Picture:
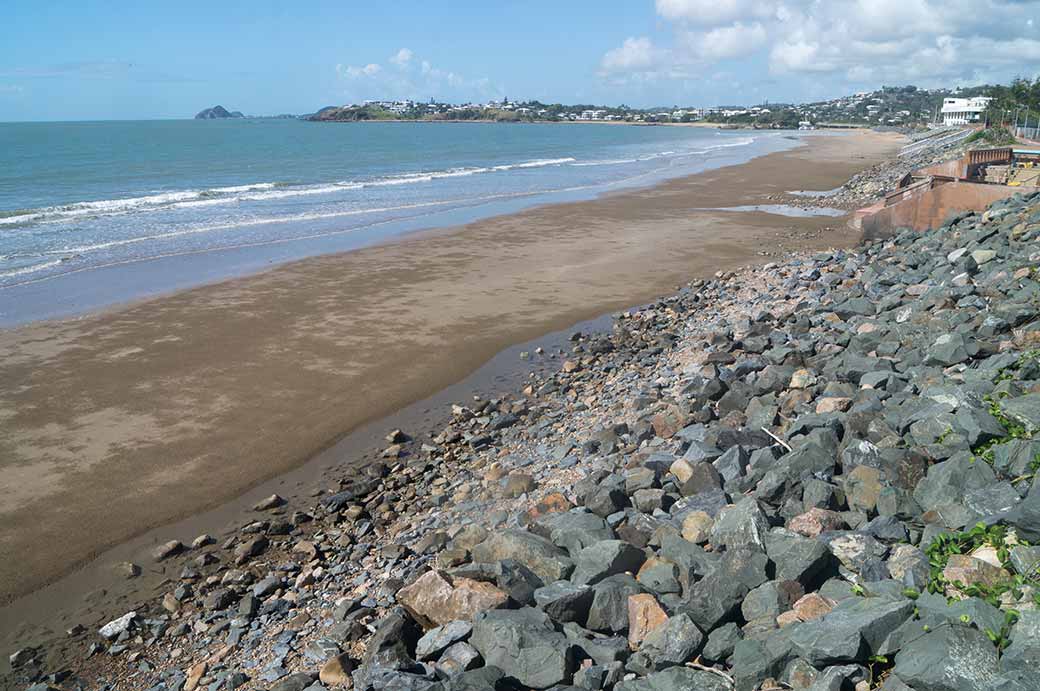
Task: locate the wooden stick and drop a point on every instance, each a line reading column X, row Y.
column 777, row 439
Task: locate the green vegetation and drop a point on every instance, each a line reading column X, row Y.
column 993, row 136
column 947, row 544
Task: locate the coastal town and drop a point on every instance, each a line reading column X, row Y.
column 906, row 106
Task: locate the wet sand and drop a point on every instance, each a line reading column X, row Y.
column 118, row 422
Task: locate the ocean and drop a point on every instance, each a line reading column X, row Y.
column 95, row 213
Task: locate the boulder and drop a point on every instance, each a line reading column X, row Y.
column 525, row 645
column 948, row 658
column 546, row 560
column 606, row 558
column 435, row 598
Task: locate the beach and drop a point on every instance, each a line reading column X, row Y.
column 121, row 421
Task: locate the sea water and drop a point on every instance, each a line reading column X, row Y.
column 93, row 213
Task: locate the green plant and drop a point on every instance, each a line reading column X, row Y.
column 858, row 590
column 947, row 544
column 1002, row 638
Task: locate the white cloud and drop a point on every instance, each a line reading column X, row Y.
column 634, row 55
column 369, row 70
column 711, row 12
column 928, row 42
column 728, row 41
column 378, row 81
column 402, row 57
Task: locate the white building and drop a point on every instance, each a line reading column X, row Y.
column 961, row 111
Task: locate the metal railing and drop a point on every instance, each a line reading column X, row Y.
column 938, row 142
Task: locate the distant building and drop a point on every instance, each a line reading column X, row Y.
column 962, row 111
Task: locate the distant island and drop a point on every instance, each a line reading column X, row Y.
column 217, row 113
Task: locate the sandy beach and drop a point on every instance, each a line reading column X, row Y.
column 117, row 422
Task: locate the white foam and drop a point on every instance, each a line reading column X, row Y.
column 34, row 268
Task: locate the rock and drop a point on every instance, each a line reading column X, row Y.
column 798, row 558
column 717, row 597
column 967, row 570
column 1024, row 410
column 677, row 679
column 127, row 570
column 862, row 488
column 802, row 379
column 697, row 527
column 518, row 484
column 114, row 628
column 458, row 658
column 609, row 609
column 742, row 524
column 606, row 558
column 294, row 682
column 950, row 349
column 812, row 606
column 337, row 670
column 721, row 643
column 658, row 576
column 674, row 642
column 271, row 502
column 167, row 550
column 565, row 601
column 644, row 615
column 437, row 639
column 194, row 676
column 525, row 645
column 546, row 560
column 851, row 632
column 250, row 548
column 949, row 658
column 815, row 521
column 435, row 599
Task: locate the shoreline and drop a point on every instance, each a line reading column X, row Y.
column 92, row 289
column 531, row 322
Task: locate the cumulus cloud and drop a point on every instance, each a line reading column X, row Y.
column 369, row 70
column 402, row 57
column 404, row 75
column 929, row 42
column 635, row 54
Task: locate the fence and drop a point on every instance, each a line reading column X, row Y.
column 1027, row 132
column 940, row 141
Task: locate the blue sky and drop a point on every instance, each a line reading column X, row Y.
column 107, row 60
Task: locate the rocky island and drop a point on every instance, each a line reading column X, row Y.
column 217, row 113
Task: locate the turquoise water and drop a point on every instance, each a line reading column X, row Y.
column 93, row 213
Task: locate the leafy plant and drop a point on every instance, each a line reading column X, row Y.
column 1001, row 639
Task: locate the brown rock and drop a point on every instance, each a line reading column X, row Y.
column 195, row 676
column 336, row 671
column 811, row 606
column 167, row 550
column 682, row 470
column 863, row 487
column 434, row 599
column 250, row 548
column 787, row 618
column 550, row 503
column 697, row 527
column 802, row 379
column 815, row 521
column 271, row 502
column 644, row 615
column 833, row 404
column 519, row 483
column 127, row 569
column 969, row 570
column 668, row 422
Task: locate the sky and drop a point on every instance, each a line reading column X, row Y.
column 101, row 60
